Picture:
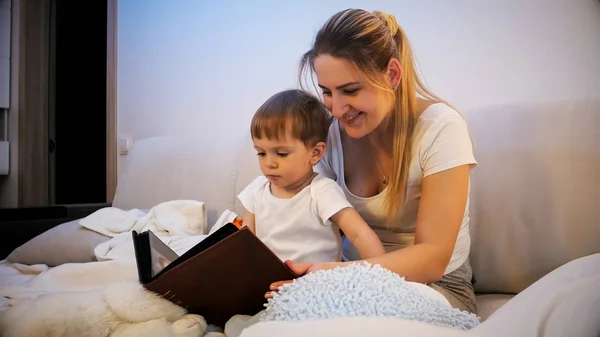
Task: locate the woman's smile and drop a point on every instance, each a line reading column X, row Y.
column 352, row 119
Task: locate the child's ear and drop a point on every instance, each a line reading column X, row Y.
column 317, row 152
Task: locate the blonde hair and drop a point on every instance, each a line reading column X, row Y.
column 295, row 111
column 369, row 41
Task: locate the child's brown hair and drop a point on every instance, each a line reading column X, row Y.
column 294, row 111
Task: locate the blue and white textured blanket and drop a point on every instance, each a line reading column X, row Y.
column 360, row 290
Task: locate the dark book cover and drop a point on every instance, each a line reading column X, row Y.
column 225, row 274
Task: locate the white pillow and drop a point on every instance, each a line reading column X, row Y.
column 565, row 302
column 353, row 327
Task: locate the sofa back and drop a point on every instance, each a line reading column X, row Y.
column 534, row 196
column 160, row 169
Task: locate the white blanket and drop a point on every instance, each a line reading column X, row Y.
column 176, row 217
column 70, row 277
column 178, row 223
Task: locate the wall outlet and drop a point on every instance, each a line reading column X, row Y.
column 124, row 145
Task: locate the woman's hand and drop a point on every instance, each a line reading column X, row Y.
column 302, row 269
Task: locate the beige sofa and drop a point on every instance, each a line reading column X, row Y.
column 535, row 206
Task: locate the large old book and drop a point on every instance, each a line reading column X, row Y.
column 226, row 274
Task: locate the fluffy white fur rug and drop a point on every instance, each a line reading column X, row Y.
column 119, row 310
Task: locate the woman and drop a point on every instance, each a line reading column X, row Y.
column 402, row 156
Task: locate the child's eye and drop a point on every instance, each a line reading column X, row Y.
column 260, row 154
column 282, row 154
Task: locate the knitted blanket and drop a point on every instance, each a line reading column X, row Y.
column 360, row 290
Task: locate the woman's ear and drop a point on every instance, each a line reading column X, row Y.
column 394, row 72
column 317, row 152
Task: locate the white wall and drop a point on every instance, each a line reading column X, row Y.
column 187, row 67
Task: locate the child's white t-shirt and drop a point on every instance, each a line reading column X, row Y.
column 297, row 228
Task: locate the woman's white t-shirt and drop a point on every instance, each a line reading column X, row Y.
column 441, row 142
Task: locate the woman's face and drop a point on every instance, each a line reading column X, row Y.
column 350, row 98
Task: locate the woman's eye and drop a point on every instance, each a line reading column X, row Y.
column 260, row 154
column 351, row 91
column 326, row 93
column 282, row 154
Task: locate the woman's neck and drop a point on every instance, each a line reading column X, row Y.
column 382, row 138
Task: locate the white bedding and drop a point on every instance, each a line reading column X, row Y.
column 25, row 282
column 14, row 276
column 178, row 223
column 96, row 299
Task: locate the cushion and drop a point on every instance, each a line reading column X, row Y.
column 363, row 290
column 487, row 304
column 160, row 169
column 65, row 243
column 565, row 302
column 534, row 195
column 353, row 327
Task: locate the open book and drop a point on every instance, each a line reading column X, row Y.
column 226, row 274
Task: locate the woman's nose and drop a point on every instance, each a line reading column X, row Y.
column 339, row 107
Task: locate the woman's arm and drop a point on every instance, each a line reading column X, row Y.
column 441, row 209
column 355, row 228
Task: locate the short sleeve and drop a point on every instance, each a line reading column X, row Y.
column 447, row 144
column 326, row 166
column 249, row 194
column 329, row 198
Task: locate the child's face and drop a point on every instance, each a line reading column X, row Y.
column 286, row 161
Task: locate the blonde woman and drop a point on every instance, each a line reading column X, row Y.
column 401, row 155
